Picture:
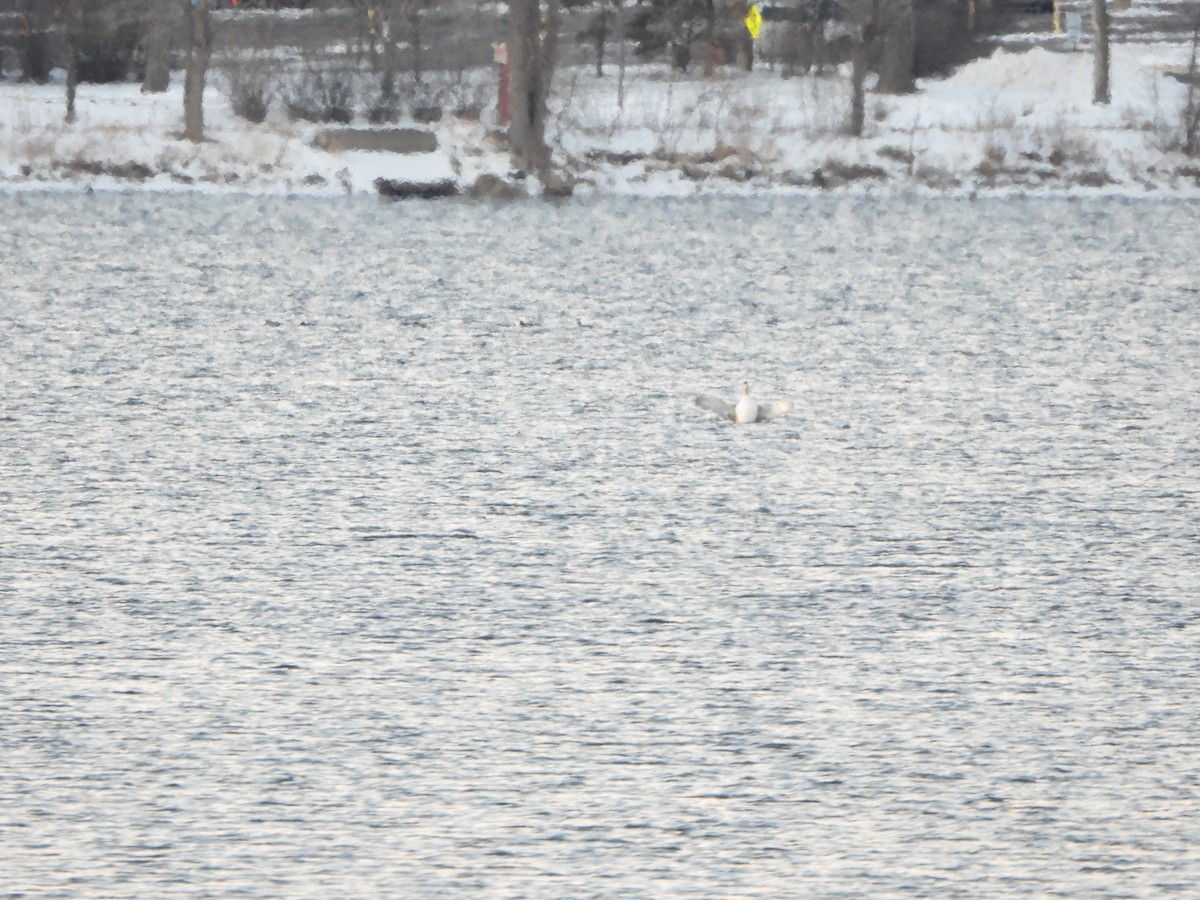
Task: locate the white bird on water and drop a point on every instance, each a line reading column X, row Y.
column 745, row 410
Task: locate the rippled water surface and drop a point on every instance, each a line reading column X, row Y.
column 355, row 550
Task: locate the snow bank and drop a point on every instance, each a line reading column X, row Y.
column 1014, row 120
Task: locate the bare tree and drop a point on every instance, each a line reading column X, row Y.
column 1191, row 114
column 106, row 36
column 33, row 43
column 883, row 40
column 673, row 25
column 597, row 33
column 158, row 16
column 365, row 26
column 72, row 14
column 406, row 19
column 897, row 41
column 619, row 29
column 532, row 54
column 1100, row 91
column 398, row 22
column 199, row 48
column 865, row 17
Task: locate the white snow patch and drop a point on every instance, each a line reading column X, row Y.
column 1013, row 118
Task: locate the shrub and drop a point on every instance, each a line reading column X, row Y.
column 321, row 97
column 386, row 107
column 106, row 50
column 249, row 89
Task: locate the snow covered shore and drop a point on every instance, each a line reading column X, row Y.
column 1014, row 121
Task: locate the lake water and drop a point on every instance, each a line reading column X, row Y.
column 358, row 550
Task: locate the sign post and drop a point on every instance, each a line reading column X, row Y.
column 500, row 56
column 753, row 21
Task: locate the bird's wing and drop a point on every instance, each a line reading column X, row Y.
column 715, row 405
column 774, row 409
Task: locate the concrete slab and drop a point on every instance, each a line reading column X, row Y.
column 378, row 140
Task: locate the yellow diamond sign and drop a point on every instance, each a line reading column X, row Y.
column 753, row 21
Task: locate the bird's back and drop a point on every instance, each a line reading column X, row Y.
column 746, row 410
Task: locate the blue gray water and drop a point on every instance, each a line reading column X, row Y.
column 361, row 550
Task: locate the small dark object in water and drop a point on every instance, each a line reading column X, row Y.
column 404, row 190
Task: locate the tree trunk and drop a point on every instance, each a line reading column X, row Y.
column 619, row 30
column 414, row 25
column 197, row 69
column 158, row 47
column 865, row 17
column 858, row 75
column 1191, row 116
column 745, row 49
column 33, row 49
column 1100, row 92
column 896, row 54
column 71, row 49
column 387, row 56
column 600, row 39
column 532, row 53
